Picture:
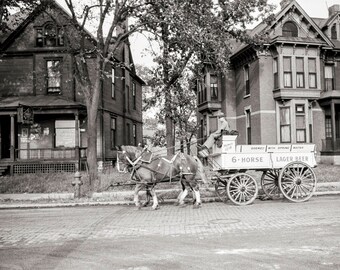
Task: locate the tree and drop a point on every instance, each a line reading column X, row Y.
column 195, row 32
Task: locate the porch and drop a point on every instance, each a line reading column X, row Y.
column 45, row 135
column 44, row 160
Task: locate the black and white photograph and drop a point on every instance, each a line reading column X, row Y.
column 170, row 134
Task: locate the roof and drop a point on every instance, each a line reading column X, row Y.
column 38, row 102
column 317, row 23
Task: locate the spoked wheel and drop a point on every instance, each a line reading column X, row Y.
column 242, row 189
column 297, row 181
column 221, row 188
column 270, row 183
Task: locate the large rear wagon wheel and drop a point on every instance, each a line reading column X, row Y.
column 242, row 189
column 297, row 181
column 221, row 188
column 270, row 183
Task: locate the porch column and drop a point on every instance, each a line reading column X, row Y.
column 333, row 125
column 12, row 147
column 76, row 117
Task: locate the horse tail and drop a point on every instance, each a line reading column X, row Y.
column 200, row 170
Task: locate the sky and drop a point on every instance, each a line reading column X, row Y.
column 314, row 8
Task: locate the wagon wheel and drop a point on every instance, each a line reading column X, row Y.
column 221, row 188
column 242, row 189
column 270, row 183
column 297, row 181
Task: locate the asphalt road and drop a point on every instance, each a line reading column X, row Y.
column 265, row 235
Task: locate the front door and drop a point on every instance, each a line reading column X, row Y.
column 5, row 137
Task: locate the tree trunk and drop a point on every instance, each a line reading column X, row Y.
column 188, row 142
column 92, row 145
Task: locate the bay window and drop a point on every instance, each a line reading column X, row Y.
column 287, row 72
column 329, row 77
column 312, row 72
column 300, row 74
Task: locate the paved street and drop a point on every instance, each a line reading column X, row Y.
column 265, row 235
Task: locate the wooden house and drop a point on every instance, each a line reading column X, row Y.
column 42, row 109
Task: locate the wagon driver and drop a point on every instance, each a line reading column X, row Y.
column 222, row 126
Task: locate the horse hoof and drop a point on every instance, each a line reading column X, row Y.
column 156, row 208
column 176, row 204
column 182, row 205
column 197, row 206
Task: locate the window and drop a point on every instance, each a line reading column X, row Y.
column 275, row 71
column 53, row 68
column 50, row 36
column 328, row 122
column 134, row 134
column 246, row 79
column 113, row 132
column 300, row 74
column 204, row 96
column 248, row 126
column 213, row 124
column 289, row 29
column 128, row 134
column 134, row 95
column 65, row 133
column 199, row 91
column 329, row 77
column 334, row 34
column 127, row 98
column 312, row 72
column 300, row 117
column 287, row 72
column 213, row 87
column 285, row 125
column 113, row 78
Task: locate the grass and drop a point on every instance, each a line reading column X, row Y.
column 109, row 180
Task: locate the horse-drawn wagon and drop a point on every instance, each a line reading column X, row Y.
column 286, row 169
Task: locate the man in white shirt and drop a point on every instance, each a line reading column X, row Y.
column 222, row 126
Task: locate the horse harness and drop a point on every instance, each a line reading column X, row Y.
column 136, row 164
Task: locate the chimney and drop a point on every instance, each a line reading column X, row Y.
column 333, row 10
column 285, row 3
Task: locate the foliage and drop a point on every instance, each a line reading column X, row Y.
column 7, row 22
column 191, row 33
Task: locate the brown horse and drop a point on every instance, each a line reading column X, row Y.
column 147, row 171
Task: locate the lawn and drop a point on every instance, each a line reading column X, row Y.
column 62, row 182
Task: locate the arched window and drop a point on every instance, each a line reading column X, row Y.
column 334, row 34
column 289, row 29
column 50, row 36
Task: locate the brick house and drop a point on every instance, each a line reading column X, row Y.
column 288, row 92
column 42, row 111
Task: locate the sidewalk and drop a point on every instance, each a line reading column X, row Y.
column 37, row 200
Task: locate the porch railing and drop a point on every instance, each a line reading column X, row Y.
column 329, row 145
column 50, row 153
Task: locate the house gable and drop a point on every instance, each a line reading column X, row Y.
column 24, row 34
column 307, row 28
